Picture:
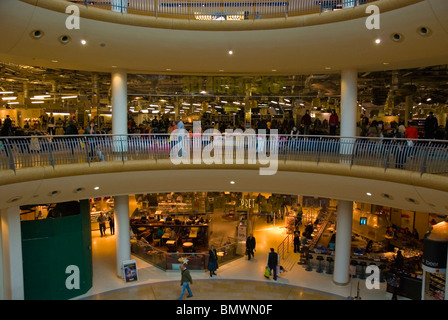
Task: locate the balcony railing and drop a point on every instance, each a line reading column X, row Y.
column 222, row 10
column 424, row 156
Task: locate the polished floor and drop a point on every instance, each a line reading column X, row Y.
column 238, row 280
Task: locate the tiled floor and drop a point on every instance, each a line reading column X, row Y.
column 238, row 280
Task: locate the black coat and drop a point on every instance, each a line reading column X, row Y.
column 250, row 243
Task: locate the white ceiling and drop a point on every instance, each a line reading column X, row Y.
column 310, row 48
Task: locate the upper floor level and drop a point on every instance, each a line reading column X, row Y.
column 388, row 172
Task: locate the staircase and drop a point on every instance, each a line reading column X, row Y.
column 286, row 252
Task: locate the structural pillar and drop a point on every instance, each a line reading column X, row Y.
column 119, row 110
column 11, row 266
column 122, row 234
column 349, row 100
column 341, row 275
column 408, row 110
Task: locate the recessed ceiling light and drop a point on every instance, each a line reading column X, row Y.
column 96, row 188
column 378, row 41
column 168, row 69
column 221, row 70
column 230, row 52
column 83, row 42
column 274, row 70
column 368, row 193
column 327, row 68
column 385, row 63
column 232, row 182
column 54, row 61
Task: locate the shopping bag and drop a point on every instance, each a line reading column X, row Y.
column 267, row 272
column 278, row 269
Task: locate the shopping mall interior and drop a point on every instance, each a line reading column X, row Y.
column 114, row 68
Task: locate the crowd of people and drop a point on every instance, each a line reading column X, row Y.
column 162, row 124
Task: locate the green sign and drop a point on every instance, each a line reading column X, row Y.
column 232, row 85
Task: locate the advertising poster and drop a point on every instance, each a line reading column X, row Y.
column 130, row 270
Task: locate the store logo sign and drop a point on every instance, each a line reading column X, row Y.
column 373, row 21
column 235, row 146
column 72, row 281
column 73, row 20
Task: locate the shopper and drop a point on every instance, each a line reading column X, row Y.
column 112, row 224
column 296, row 241
column 334, row 122
column 250, row 246
column 102, row 223
column 272, row 262
column 306, row 122
column 212, row 261
column 431, row 126
column 185, row 281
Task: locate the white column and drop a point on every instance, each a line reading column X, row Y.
column 341, row 274
column 11, row 255
column 349, row 100
column 119, row 109
column 122, row 234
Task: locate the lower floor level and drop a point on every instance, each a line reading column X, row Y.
column 241, row 279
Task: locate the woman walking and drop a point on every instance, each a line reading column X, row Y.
column 212, row 261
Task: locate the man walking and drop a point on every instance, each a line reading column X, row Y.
column 250, row 246
column 272, row 262
column 185, row 281
column 102, row 223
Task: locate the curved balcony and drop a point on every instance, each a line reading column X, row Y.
column 383, row 171
column 222, row 10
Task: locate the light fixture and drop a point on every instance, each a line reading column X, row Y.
column 368, row 193
column 230, row 52
column 83, row 42
column 96, row 188
column 378, row 41
column 9, row 98
column 6, row 92
column 69, row 97
column 232, row 182
column 36, row 102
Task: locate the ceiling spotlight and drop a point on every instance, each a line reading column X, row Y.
column 378, row 41
column 83, row 42
column 368, row 193
column 230, row 52
column 96, row 188
column 232, row 182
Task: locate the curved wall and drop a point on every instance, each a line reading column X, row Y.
column 337, row 181
column 305, row 44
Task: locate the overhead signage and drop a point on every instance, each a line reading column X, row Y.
column 232, row 85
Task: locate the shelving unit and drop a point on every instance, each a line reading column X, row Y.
column 435, row 286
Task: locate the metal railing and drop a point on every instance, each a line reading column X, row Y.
column 424, row 156
column 171, row 260
column 222, row 10
column 284, row 247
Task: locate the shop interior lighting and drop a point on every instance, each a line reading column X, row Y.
column 232, row 182
column 96, row 188
column 83, row 42
column 230, row 52
column 9, row 98
column 368, row 193
column 69, row 97
column 36, row 102
column 378, row 41
column 16, row 102
column 223, row 101
column 6, row 92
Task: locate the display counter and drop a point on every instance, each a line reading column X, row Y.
column 410, row 287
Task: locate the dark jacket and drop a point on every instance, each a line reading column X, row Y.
column 250, row 243
column 186, row 277
column 272, row 259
